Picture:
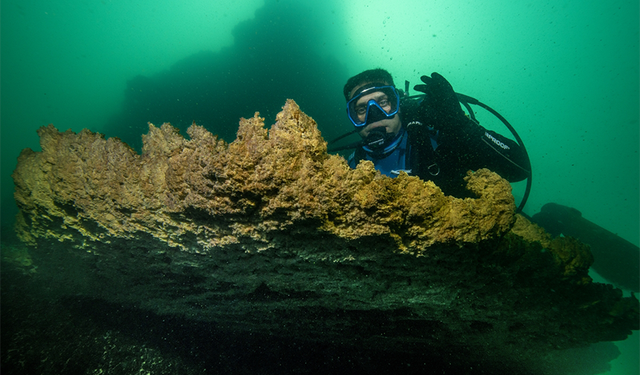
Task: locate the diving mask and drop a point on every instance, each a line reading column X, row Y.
column 382, row 103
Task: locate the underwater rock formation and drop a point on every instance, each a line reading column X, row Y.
column 270, row 233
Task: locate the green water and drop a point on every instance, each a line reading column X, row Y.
column 565, row 74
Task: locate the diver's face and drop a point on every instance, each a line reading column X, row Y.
column 391, row 125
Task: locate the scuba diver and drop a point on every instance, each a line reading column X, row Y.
column 429, row 137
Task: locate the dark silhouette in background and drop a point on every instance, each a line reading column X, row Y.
column 615, row 258
column 274, row 57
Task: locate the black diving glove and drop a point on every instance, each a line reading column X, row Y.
column 440, row 108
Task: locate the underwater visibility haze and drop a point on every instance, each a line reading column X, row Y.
column 564, row 73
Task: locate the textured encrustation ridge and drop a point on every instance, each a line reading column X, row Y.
column 204, row 191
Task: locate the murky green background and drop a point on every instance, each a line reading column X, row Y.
column 564, row 73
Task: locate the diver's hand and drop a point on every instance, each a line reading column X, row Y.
column 440, row 108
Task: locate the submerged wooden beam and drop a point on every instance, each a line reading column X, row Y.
column 270, row 233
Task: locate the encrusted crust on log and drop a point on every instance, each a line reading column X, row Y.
column 201, row 194
column 292, row 237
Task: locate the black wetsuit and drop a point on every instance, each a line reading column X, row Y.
column 445, row 158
